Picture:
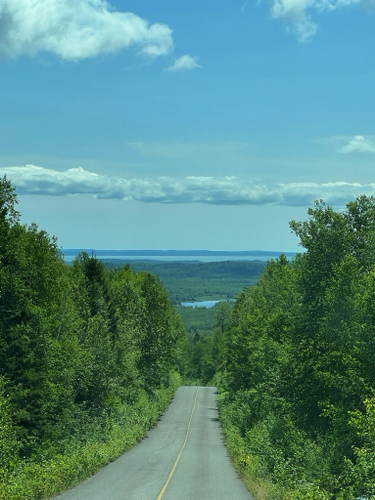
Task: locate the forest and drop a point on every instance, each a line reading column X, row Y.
column 297, row 372
column 90, row 356
column 187, row 281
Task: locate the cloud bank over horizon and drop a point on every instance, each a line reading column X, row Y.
column 76, row 29
column 227, row 190
column 298, row 14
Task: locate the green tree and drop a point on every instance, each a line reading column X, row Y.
column 299, row 357
column 9, row 445
column 157, row 346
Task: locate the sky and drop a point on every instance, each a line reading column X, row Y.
column 156, row 124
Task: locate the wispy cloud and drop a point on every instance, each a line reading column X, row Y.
column 184, row 63
column 76, row 29
column 358, row 144
column 298, row 14
column 33, row 180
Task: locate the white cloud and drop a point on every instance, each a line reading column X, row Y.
column 358, row 144
column 298, row 13
column 76, row 29
column 348, row 143
column 33, row 180
column 183, row 63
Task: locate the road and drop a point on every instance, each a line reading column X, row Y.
column 183, row 458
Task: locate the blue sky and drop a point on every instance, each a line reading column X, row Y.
column 185, row 125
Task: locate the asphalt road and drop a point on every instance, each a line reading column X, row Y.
column 183, row 458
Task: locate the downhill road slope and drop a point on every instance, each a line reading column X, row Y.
column 184, row 458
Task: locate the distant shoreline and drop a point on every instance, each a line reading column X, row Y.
column 175, row 253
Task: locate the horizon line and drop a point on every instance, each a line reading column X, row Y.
column 172, row 251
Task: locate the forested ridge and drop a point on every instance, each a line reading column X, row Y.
column 89, row 358
column 297, row 370
column 198, row 281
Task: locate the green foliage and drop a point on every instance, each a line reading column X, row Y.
column 297, row 376
column 40, row 479
column 9, row 445
column 88, row 359
column 205, row 328
column 8, row 199
column 199, row 320
column 197, row 281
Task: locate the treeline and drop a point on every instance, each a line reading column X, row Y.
column 89, row 358
column 205, row 329
column 297, row 372
column 196, row 281
column 194, row 269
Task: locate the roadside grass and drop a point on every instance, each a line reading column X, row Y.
column 254, row 476
column 246, row 468
column 260, row 486
column 47, row 478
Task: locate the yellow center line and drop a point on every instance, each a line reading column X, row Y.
column 162, row 491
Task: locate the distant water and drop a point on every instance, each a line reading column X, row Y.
column 183, row 258
column 202, row 303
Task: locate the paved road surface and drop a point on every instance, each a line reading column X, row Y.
column 184, row 458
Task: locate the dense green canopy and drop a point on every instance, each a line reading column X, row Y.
column 86, row 354
column 298, row 374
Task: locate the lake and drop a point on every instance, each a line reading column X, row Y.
column 203, row 303
column 179, row 258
